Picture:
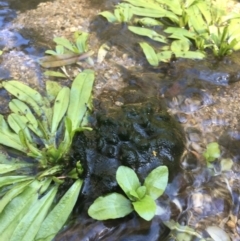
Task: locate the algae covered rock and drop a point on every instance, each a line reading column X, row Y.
column 138, row 133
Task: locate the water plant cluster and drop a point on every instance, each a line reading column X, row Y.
column 186, row 28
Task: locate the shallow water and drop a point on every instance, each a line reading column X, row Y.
column 202, row 95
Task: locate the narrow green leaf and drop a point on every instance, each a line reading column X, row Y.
column 127, row 179
column 156, row 182
column 150, row 53
column 60, row 107
column 65, row 43
column 17, row 124
column 31, row 222
column 12, row 193
column 146, row 207
column 149, row 22
column 80, row 93
column 190, row 55
column 179, row 33
column 54, row 74
column 111, row 206
column 7, row 180
column 20, row 108
column 81, row 42
column 148, row 33
column 25, row 93
column 60, row 213
column 5, row 168
column 17, row 208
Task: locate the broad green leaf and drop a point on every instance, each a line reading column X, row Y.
column 65, row 43
column 156, row 182
column 204, row 7
column 22, row 109
column 150, row 53
column 212, row 152
column 146, row 207
column 180, row 33
column 8, row 138
column 125, row 12
column 109, row 16
column 127, row 179
column 53, row 88
column 80, row 93
column 25, row 94
column 148, row 33
column 180, row 46
column 54, row 74
column 141, row 191
column 60, row 107
column 5, row 168
column 111, row 206
column 59, row 214
column 17, row 124
column 17, row 208
column 60, row 49
column 164, row 56
column 12, row 193
column 31, row 222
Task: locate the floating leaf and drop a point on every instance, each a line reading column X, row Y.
column 127, row 179
column 59, row 214
column 111, row 206
column 146, row 207
column 156, row 182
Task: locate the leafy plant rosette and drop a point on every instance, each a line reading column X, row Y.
column 188, row 27
column 140, row 198
column 41, row 127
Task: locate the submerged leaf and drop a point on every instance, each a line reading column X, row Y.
column 111, row 206
column 59, row 214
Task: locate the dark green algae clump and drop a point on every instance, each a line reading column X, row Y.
column 138, row 132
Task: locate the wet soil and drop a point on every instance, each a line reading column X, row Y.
column 203, row 96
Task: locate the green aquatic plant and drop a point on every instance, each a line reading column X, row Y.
column 212, row 152
column 67, row 52
column 140, row 198
column 198, row 25
column 41, row 127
